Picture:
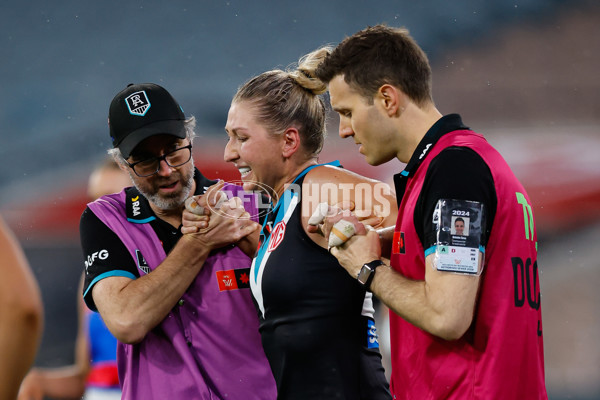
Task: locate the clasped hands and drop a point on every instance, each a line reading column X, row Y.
column 215, row 218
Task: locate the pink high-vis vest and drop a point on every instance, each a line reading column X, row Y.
column 501, row 355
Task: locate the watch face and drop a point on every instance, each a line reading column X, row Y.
column 367, row 272
column 363, row 275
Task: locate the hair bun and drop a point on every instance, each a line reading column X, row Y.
column 305, row 76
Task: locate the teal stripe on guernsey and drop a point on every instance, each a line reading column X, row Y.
column 430, row 250
column 141, row 221
column 285, row 200
column 108, row 274
column 290, row 200
column 335, row 163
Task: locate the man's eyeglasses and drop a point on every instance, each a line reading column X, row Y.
column 150, row 166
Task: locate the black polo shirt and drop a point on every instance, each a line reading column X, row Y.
column 455, row 173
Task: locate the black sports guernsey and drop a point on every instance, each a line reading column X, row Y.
column 317, row 342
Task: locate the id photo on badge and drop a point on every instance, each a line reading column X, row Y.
column 460, row 226
column 459, row 229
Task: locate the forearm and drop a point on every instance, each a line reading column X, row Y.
column 134, row 309
column 20, row 330
column 61, row 383
column 21, row 314
column 407, row 298
column 249, row 244
column 442, row 309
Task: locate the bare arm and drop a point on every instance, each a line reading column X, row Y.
column 131, row 308
column 373, row 202
column 65, row 382
column 249, row 244
column 62, row 383
column 442, row 304
column 21, row 315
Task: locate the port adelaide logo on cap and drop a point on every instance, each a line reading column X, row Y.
column 138, row 103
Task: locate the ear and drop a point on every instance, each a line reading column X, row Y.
column 290, row 142
column 392, row 99
column 124, row 167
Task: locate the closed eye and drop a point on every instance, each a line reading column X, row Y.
column 345, row 113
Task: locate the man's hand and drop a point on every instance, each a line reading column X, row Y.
column 335, row 223
column 210, row 201
column 345, row 208
column 199, row 208
column 358, row 250
column 226, row 225
column 192, row 222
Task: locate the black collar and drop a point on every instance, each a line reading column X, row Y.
column 444, row 125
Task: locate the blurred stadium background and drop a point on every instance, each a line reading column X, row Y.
column 523, row 72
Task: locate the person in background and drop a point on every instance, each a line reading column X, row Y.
column 316, row 322
column 21, row 314
column 466, row 320
column 94, row 375
column 179, row 305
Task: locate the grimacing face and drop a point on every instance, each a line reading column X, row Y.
column 253, row 151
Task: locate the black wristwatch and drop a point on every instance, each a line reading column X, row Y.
column 367, row 273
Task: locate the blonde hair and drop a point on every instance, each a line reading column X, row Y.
column 289, row 98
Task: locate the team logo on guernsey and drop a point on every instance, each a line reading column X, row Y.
column 398, row 244
column 233, row 279
column 141, row 262
column 277, row 236
column 138, row 103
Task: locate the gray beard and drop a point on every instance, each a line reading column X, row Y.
column 170, row 203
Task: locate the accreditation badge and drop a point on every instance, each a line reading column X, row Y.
column 459, row 228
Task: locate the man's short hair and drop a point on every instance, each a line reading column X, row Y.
column 380, row 55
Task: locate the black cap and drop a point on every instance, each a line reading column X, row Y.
column 140, row 111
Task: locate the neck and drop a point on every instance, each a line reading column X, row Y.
column 172, row 216
column 416, row 123
column 290, row 176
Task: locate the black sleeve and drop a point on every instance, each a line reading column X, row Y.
column 456, row 173
column 104, row 254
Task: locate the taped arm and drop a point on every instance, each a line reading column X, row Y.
column 373, row 202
